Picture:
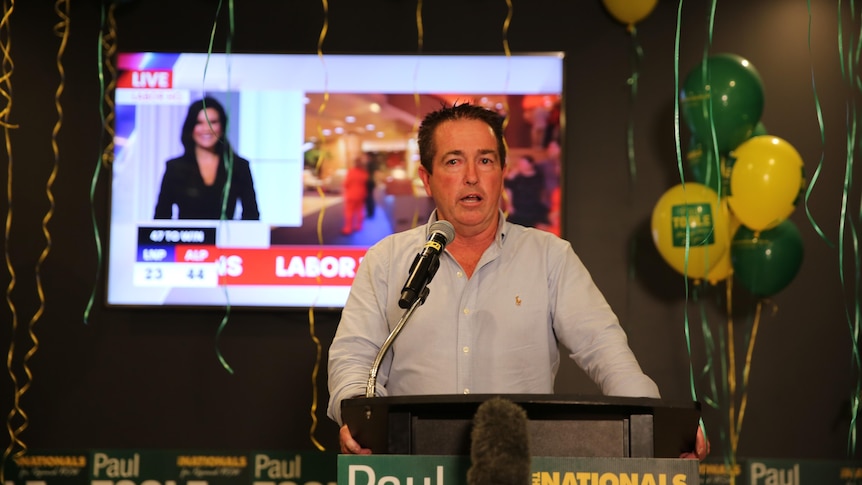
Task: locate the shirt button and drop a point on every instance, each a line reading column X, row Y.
column 466, row 311
column 466, row 391
column 466, row 349
column 460, row 274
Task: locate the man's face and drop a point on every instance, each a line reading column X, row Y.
column 467, row 177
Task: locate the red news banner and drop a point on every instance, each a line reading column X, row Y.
column 146, row 79
column 294, row 265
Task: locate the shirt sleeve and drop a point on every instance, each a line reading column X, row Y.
column 587, row 326
column 361, row 331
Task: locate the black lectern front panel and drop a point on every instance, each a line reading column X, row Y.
column 557, row 425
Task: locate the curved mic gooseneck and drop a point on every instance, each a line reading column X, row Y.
column 415, row 290
column 371, row 385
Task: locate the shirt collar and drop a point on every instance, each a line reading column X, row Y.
column 501, row 227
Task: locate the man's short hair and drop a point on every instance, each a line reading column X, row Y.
column 466, row 111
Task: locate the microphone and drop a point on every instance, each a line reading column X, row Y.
column 499, row 445
column 426, row 262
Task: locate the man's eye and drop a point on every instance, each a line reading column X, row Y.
column 452, row 161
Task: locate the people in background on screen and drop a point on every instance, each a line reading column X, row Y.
column 208, row 180
column 354, row 192
column 525, row 190
column 502, row 300
column 372, row 166
column 551, row 168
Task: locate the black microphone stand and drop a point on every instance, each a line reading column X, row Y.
column 371, row 386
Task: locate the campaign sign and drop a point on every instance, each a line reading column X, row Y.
column 128, row 467
column 282, row 468
column 47, row 468
column 754, row 471
column 171, row 467
column 452, row 470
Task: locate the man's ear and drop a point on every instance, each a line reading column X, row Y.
column 426, row 179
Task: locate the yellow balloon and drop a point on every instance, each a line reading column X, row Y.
column 724, row 268
column 766, row 179
column 690, row 229
column 630, row 12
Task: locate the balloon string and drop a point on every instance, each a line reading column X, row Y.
column 103, row 93
column 709, row 345
column 676, row 122
column 746, row 372
column 636, row 58
column 708, row 370
column 841, row 41
column 819, row 112
column 854, row 319
column 229, row 154
column 854, row 235
column 676, row 129
column 228, row 166
column 731, row 389
column 730, row 456
column 678, row 148
column 6, row 68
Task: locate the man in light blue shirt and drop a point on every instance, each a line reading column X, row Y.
column 503, row 296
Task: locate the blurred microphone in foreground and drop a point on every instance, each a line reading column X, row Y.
column 499, row 445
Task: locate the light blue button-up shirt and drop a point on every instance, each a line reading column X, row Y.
column 495, row 332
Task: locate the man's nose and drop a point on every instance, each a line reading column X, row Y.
column 471, row 177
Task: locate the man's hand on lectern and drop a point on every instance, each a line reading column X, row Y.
column 701, row 447
column 349, row 445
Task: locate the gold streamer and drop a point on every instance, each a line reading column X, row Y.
column 6, row 68
column 311, row 327
column 506, row 22
column 731, row 384
column 417, row 115
column 109, row 47
column 62, row 8
column 746, row 371
column 314, row 373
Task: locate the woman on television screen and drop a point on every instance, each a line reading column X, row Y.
column 195, row 182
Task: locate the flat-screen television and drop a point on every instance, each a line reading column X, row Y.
column 296, row 124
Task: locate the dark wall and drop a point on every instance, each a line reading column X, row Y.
column 151, row 378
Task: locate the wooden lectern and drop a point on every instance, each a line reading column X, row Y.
column 558, row 425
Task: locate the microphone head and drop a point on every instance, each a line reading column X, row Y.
column 444, row 228
column 499, row 445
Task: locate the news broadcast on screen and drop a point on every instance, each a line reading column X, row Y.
column 296, row 126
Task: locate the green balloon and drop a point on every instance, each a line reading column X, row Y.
column 766, row 263
column 703, row 167
column 759, row 129
column 731, row 87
